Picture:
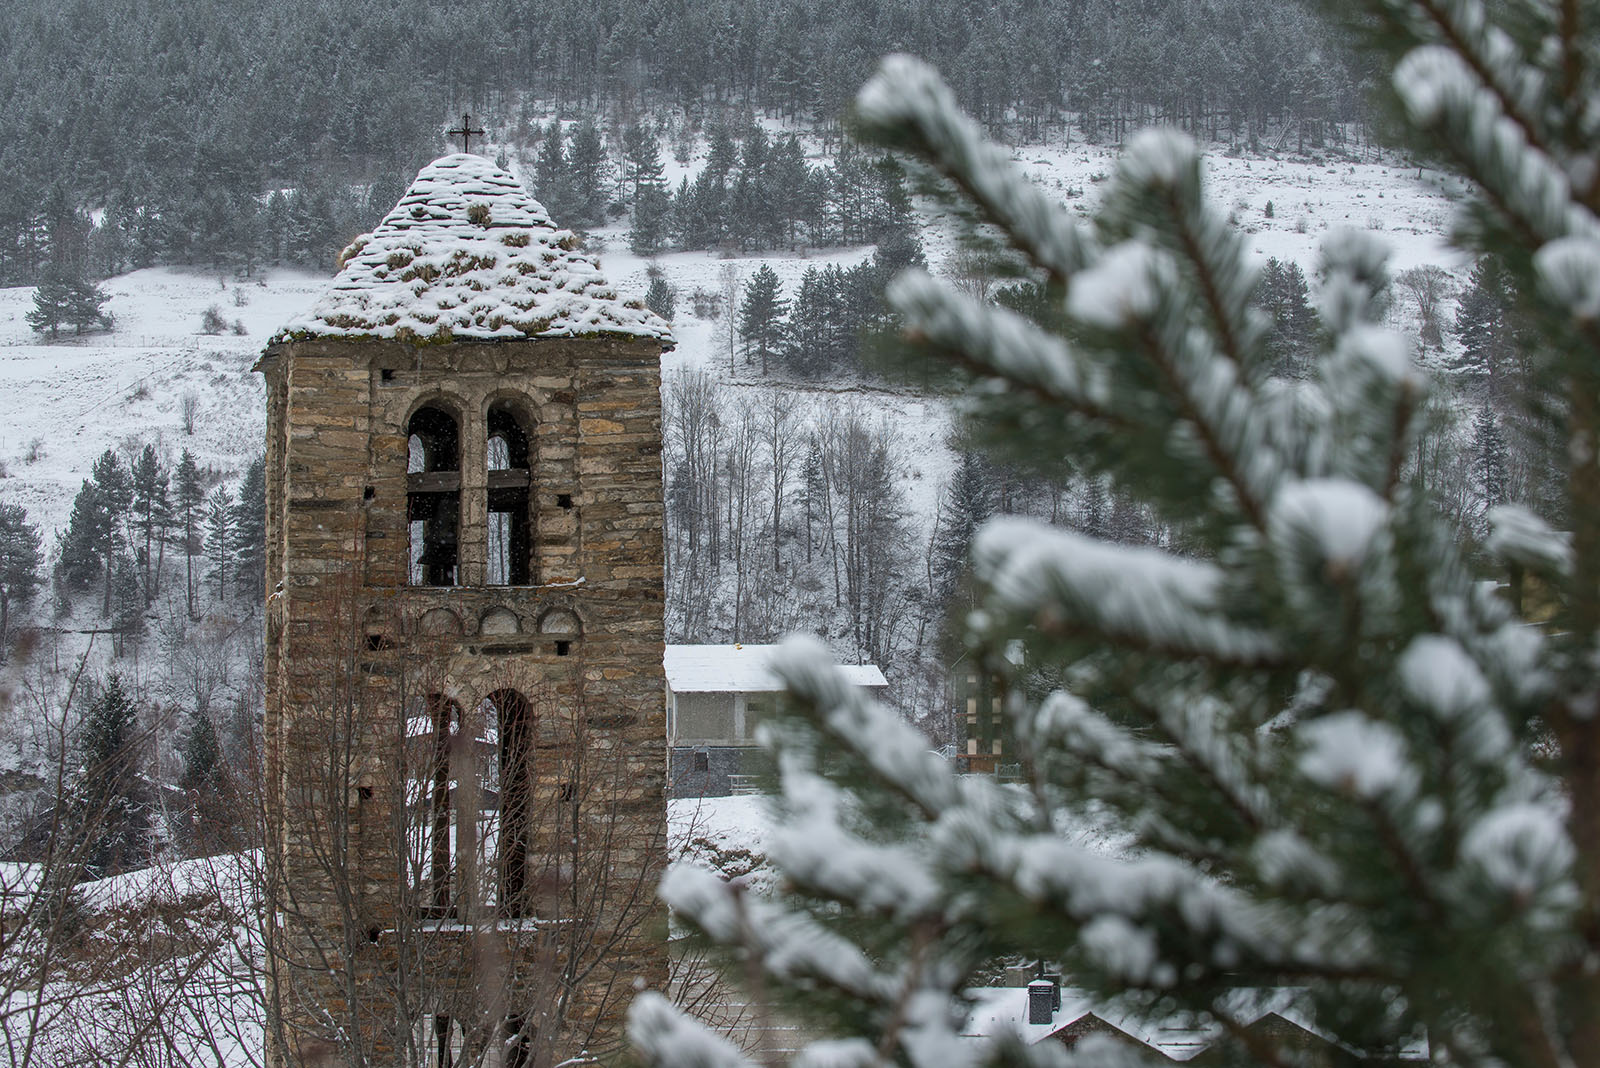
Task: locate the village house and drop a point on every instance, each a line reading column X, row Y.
column 716, row 695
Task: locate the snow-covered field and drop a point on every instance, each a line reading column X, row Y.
column 63, row 403
column 1409, row 207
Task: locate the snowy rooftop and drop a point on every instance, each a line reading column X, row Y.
column 997, row 1010
column 467, row 253
column 740, row 669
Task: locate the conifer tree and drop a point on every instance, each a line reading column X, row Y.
column 115, row 492
column 642, row 160
column 78, row 548
column 1489, row 461
column 652, row 210
column 96, row 532
column 19, row 565
column 151, row 513
column 250, row 531
column 109, row 802
column 52, row 301
column 703, row 216
column 220, row 536
column 1283, row 294
column 126, row 613
column 586, row 163
column 761, row 315
column 1303, row 755
column 210, row 794
column 967, row 504
column 652, row 201
column 753, row 207
column 85, row 306
column 551, row 178
column 788, row 179
column 661, row 298
column 1483, row 324
column 188, row 501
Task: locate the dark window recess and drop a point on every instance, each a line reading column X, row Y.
column 379, row 643
column 444, row 719
column 702, row 761
column 510, row 545
column 563, row 500
column 386, row 375
column 364, row 793
column 563, row 648
column 433, row 497
column 368, row 493
column 514, row 720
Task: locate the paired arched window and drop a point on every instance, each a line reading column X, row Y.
column 433, row 496
column 476, row 796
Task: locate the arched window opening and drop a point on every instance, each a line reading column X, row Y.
column 513, row 731
column 433, row 496
column 510, row 524
column 433, row 730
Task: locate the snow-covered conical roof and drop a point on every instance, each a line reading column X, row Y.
column 467, row 253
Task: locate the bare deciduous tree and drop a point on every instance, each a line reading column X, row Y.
column 1428, row 286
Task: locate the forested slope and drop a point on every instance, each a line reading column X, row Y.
column 170, row 124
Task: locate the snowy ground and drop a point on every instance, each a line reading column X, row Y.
column 730, row 823
column 1409, row 207
column 63, row 403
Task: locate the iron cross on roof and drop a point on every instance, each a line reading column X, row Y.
column 466, row 133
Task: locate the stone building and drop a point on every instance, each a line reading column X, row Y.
column 465, row 698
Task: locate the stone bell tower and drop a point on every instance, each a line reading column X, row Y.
column 464, row 707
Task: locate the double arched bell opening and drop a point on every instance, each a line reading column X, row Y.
column 434, row 497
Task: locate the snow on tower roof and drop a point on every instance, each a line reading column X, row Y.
column 467, row 253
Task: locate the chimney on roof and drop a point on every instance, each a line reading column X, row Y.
column 1043, row 997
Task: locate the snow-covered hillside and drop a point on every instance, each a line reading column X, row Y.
column 63, row 403
column 66, row 401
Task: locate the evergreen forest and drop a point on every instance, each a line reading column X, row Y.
column 218, row 133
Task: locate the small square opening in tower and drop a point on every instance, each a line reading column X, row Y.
column 563, row 648
column 563, row 500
